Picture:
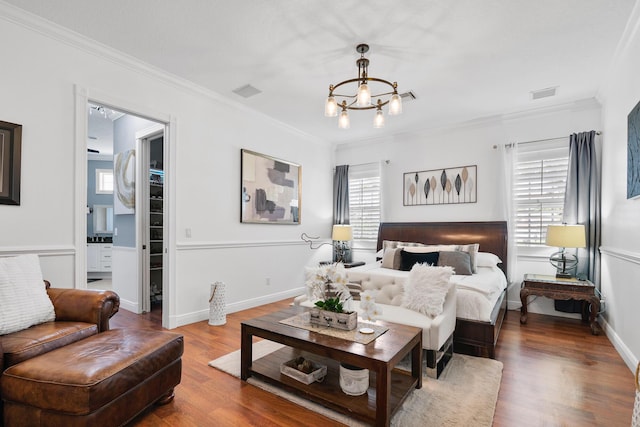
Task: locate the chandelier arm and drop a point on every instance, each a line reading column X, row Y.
column 369, row 79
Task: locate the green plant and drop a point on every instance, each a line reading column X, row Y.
column 331, row 304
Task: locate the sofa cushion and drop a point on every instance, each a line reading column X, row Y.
column 23, row 296
column 31, row 342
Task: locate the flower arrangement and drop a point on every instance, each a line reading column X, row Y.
column 327, row 288
column 370, row 310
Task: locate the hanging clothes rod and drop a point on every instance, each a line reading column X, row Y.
column 511, row 144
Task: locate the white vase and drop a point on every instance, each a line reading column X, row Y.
column 354, row 381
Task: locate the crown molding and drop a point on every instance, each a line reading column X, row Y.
column 577, row 105
column 71, row 38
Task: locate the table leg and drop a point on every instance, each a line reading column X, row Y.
column 416, row 364
column 524, row 294
column 593, row 314
column 246, row 347
column 383, row 396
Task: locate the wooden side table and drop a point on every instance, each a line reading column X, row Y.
column 562, row 289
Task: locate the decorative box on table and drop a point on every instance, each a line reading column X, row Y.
column 346, row 321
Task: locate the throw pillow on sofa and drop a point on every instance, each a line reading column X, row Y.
column 426, row 289
column 23, row 296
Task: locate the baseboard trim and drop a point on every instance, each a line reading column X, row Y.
column 627, row 355
column 198, row 316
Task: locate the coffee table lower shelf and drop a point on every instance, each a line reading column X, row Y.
column 328, row 392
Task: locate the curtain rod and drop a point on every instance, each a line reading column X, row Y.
column 511, row 144
column 367, row 164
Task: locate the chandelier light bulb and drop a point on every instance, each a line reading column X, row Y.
column 330, row 107
column 395, row 105
column 364, row 96
column 378, row 120
column 343, row 120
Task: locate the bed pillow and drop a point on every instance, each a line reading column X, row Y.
column 458, row 260
column 23, row 296
column 426, row 289
column 487, row 259
column 430, row 248
column 391, row 258
column 392, row 244
column 409, row 259
column 472, row 250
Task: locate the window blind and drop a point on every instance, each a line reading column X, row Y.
column 364, row 200
column 540, row 177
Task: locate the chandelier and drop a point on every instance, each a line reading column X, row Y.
column 362, row 99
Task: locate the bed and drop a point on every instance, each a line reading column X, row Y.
column 475, row 334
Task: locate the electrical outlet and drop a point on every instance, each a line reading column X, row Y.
column 268, row 281
column 188, row 233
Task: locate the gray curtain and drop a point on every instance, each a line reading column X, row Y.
column 582, row 202
column 341, row 195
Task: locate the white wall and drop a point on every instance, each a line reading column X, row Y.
column 471, row 144
column 46, row 67
column 620, row 217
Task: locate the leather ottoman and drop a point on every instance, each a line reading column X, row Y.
column 104, row 380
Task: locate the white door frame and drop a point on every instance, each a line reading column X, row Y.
column 82, row 97
column 142, row 220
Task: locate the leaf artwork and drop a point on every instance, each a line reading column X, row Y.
column 469, row 188
column 433, row 184
column 427, row 188
column 465, row 176
column 443, row 186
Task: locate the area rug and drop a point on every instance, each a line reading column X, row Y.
column 465, row 394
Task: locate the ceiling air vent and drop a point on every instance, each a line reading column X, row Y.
column 543, row 93
column 247, row 91
column 408, row 96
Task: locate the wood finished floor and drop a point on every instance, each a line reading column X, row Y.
column 555, row 374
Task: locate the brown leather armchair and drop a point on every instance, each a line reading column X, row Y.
column 80, row 313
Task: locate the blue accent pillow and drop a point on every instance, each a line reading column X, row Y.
column 408, row 259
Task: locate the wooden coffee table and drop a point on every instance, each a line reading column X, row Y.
column 388, row 386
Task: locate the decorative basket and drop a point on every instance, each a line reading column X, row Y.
column 346, row 321
column 318, row 373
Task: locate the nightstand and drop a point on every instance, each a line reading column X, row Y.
column 562, row 289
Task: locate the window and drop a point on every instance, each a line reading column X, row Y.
column 364, row 200
column 104, row 181
column 540, row 176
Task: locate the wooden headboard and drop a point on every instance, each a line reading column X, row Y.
column 492, row 235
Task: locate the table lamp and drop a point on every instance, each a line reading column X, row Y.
column 565, row 236
column 341, row 235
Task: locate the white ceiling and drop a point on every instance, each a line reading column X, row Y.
column 464, row 59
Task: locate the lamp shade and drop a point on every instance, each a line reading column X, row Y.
column 566, row 236
column 342, row 232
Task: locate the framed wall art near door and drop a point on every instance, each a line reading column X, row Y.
column 10, row 161
column 270, row 189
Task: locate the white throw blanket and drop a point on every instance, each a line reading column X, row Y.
column 426, row 288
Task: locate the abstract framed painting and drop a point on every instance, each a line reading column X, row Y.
column 270, row 189
column 10, row 163
column 633, row 153
column 124, row 176
column 440, row 186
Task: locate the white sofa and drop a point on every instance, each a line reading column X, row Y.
column 437, row 333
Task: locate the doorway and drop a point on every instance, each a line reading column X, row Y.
column 141, row 142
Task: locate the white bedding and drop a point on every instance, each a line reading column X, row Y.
column 477, row 294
